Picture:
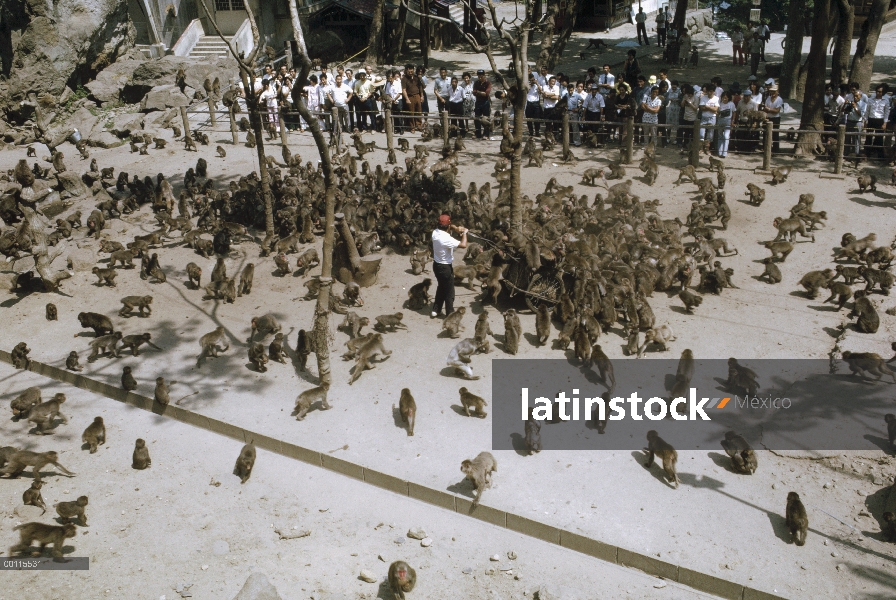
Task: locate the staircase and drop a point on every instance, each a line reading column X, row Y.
column 456, row 13
column 210, row 45
column 144, row 49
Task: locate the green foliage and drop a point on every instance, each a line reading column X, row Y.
column 78, row 94
column 774, row 12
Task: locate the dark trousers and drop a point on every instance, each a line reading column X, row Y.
column 642, row 29
column 661, row 37
column 754, row 63
column 874, row 146
column 776, row 134
column 445, row 292
column 533, row 111
column 456, row 109
column 481, row 109
column 366, row 110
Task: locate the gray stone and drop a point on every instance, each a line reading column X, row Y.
column 84, row 121
column 123, row 125
column 81, row 259
column 368, row 576
column 104, row 139
column 152, row 73
column 109, row 82
column 258, row 587
column 416, row 533
column 28, row 513
column 70, row 182
column 6, row 278
column 166, row 96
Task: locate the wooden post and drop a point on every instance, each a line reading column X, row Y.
column 283, row 133
column 212, row 106
column 841, row 145
column 390, row 135
column 444, row 116
column 565, row 137
column 183, row 117
column 767, row 149
column 233, row 129
column 287, row 52
column 629, row 141
column 696, row 142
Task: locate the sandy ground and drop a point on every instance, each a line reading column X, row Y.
column 692, row 526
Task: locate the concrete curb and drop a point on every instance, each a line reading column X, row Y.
column 565, row 539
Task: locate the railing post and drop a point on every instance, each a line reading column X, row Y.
column 629, row 141
column 696, row 142
column 212, row 105
column 283, row 132
column 287, row 52
column 565, row 136
column 767, row 149
column 337, row 129
column 841, row 145
column 444, row 116
column 233, row 130
column 186, row 121
column 390, row 135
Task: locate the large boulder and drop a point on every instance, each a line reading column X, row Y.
column 166, row 96
column 258, row 587
column 58, row 42
column 161, row 72
column 123, row 125
column 71, row 182
column 106, row 88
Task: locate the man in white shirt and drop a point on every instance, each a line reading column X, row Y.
column 442, row 89
column 339, row 95
column 640, row 25
column 764, row 34
column 606, row 81
column 551, row 94
column 443, row 246
column 877, row 113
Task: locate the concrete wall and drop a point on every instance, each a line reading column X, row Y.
column 188, row 39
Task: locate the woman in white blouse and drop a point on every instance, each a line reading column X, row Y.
column 709, row 108
column 726, row 112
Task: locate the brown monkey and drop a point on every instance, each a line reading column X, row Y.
column 246, row 277
column 275, row 350
column 194, row 273
column 479, row 471
column 71, row 363
column 402, row 578
column 582, row 343
column 780, row 174
column 373, row 347
column 106, row 276
column 161, row 394
column 282, row 262
column 418, row 295
column 351, row 295
column 814, row 280
column 782, row 249
column 141, row 459
column 131, row 302
column 772, row 273
column 740, row 377
column 306, row 400
column 258, row 357
column 354, row 323
column 839, row 290
column 134, row 341
column 73, row 510
column 52, row 313
column 209, row 343
column 513, row 331
column 245, row 462
column 407, row 407
column 690, row 300
column 868, row 319
column 24, row 402
column 743, row 458
column 452, row 323
column 660, row 335
column 889, row 530
column 125, row 257
column 482, row 328
column 533, row 434
column 156, row 275
column 604, row 366
column 796, row 519
column 389, row 322
column 26, row 458
column 19, row 356
column 859, row 362
column 756, row 194
column 222, row 153
column 44, row 535
column 42, row 415
column 304, row 349
column 543, row 323
column 687, row 172
column 128, row 383
column 104, row 343
column 32, row 496
column 469, row 400
column 94, row 435
column 788, row 228
column 250, row 139
column 657, row 446
column 264, row 325
column 58, row 164
column 867, row 181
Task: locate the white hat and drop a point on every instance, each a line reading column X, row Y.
column 362, row 72
column 751, row 78
column 770, row 81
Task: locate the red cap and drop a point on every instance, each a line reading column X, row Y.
column 445, row 220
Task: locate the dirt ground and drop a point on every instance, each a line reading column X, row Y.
column 724, row 524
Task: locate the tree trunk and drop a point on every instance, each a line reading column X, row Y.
column 297, row 31
column 255, row 119
column 36, row 228
column 560, row 42
column 793, row 48
column 424, row 33
column 843, row 44
column 813, row 99
column 681, row 9
column 547, row 36
column 863, row 61
column 375, row 41
column 398, row 41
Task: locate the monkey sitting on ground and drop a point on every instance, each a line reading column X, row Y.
column 742, row 378
column 128, row 383
column 52, row 313
column 264, row 325
column 71, row 363
column 889, row 530
column 657, row 446
column 276, row 351
column 513, row 331
column 479, row 471
column 245, row 462
column 94, row 435
column 756, row 194
column 304, row 348
column 19, row 356
column 386, row 323
column 32, row 496
column 209, row 344
column 418, row 295
column 73, row 510
column 743, row 459
column 306, row 400
column 222, row 153
column 258, row 357
column 452, row 323
column 772, row 273
column 780, row 174
column 477, row 403
column 140, row 459
column 796, row 519
column 44, row 535
column 407, row 408
column 250, row 139
column 402, row 578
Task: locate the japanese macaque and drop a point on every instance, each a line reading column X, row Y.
column 32, row 496
column 71, row 362
column 19, row 356
column 94, row 435
column 418, row 295
column 471, row 401
column 366, row 353
column 743, row 459
column 772, row 273
column 245, row 462
column 36, row 460
column 128, row 383
column 52, row 313
column 860, row 362
column 479, row 471
column 140, row 459
column 402, row 579
column 22, row 404
column 657, row 446
column 389, row 322
column 44, row 535
column 407, row 408
column 354, row 323
column 513, row 331
column 258, row 357
column 796, row 519
column 42, row 415
column 452, row 323
column 305, row 401
column 276, row 351
column 533, row 434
